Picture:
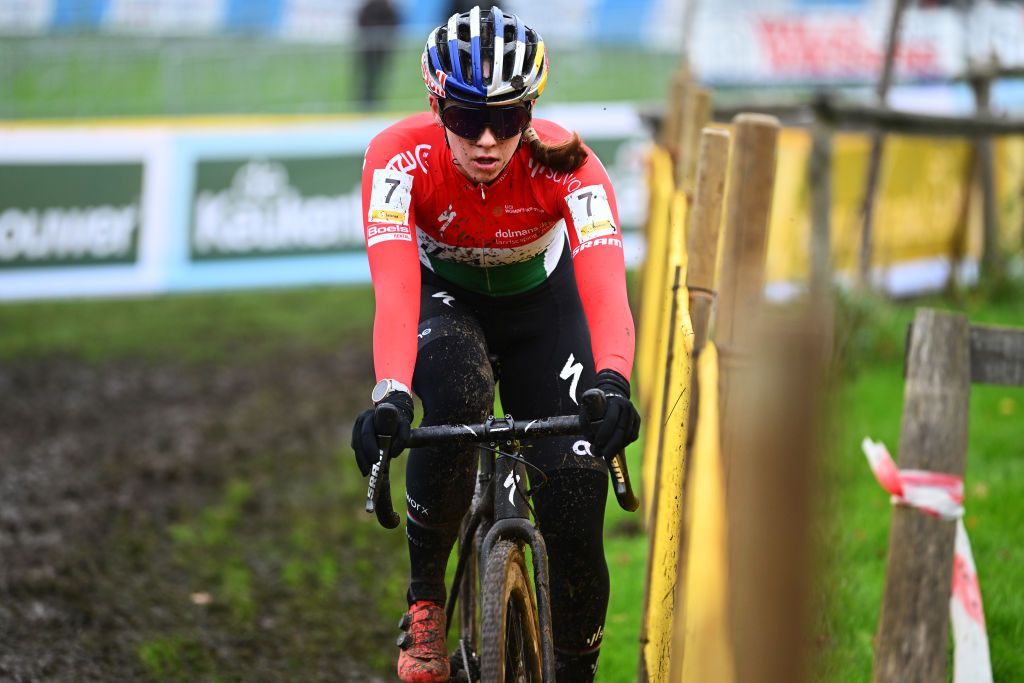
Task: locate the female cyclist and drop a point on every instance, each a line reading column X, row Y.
column 494, row 236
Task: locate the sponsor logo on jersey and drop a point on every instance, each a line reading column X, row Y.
column 446, row 218
column 516, row 234
column 572, row 372
column 513, row 210
column 418, row 507
column 599, row 242
column 375, row 234
column 410, row 160
column 571, row 182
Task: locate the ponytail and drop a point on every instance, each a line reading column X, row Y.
column 564, row 157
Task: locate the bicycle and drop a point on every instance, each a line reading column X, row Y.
column 512, row 640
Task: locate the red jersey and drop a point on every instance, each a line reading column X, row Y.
column 500, row 238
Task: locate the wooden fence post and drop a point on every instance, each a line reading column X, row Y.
column 914, row 623
column 777, row 432
column 741, row 289
column 820, row 181
column 702, row 248
column 696, row 115
column 740, row 306
column 875, row 155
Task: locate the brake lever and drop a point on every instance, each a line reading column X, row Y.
column 378, row 492
column 594, row 402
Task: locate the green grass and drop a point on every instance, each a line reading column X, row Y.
column 856, row 539
column 194, row 328
column 74, row 76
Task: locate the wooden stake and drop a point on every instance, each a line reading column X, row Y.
column 875, row 156
column 914, row 624
column 777, row 430
column 696, row 115
column 702, row 247
column 820, row 172
column 748, row 209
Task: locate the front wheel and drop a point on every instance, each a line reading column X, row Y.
column 509, row 633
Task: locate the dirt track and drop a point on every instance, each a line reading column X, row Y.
column 185, row 523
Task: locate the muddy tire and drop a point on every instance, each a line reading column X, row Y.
column 509, row 633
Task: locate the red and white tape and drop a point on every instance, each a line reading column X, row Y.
column 939, row 495
column 942, row 496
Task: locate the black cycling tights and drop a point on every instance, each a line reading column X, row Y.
column 542, row 346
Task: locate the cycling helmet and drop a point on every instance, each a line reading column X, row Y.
column 488, row 59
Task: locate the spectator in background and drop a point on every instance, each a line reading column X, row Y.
column 460, row 6
column 377, row 21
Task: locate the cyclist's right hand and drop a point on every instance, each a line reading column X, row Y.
column 366, row 428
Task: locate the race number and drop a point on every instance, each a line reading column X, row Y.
column 390, row 197
column 591, row 213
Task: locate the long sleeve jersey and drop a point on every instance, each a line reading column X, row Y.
column 500, row 238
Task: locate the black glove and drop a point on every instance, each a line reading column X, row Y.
column 364, row 431
column 620, row 424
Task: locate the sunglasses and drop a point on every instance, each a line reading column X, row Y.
column 469, row 122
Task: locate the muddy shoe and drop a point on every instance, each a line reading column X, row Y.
column 424, row 658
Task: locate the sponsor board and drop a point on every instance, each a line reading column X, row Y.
column 280, row 206
column 75, row 214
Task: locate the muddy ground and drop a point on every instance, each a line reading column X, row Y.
column 187, row 523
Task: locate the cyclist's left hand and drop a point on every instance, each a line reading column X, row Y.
column 620, row 424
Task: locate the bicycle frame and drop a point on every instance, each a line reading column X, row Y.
column 494, row 517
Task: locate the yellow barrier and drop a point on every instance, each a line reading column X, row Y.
column 658, row 344
column 920, row 208
column 664, row 457
column 1009, row 163
column 700, row 625
column 655, row 265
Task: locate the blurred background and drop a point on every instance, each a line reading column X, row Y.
column 75, row 58
column 185, row 311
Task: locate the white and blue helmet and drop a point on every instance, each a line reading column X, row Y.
column 488, row 59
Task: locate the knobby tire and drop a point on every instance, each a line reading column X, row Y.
column 509, row 633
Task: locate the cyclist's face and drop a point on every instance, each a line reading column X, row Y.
column 480, row 160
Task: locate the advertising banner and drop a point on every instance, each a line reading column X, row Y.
column 82, row 211
column 101, row 211
column 277, row 206
column 69, row 214
column 106, row 210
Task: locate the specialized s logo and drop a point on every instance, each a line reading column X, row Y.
column 572, row 370
column 410, row 160
column 510, row 484
column 446, row 218
column 445, row 298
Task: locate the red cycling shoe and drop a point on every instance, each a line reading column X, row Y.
column 424, row 656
